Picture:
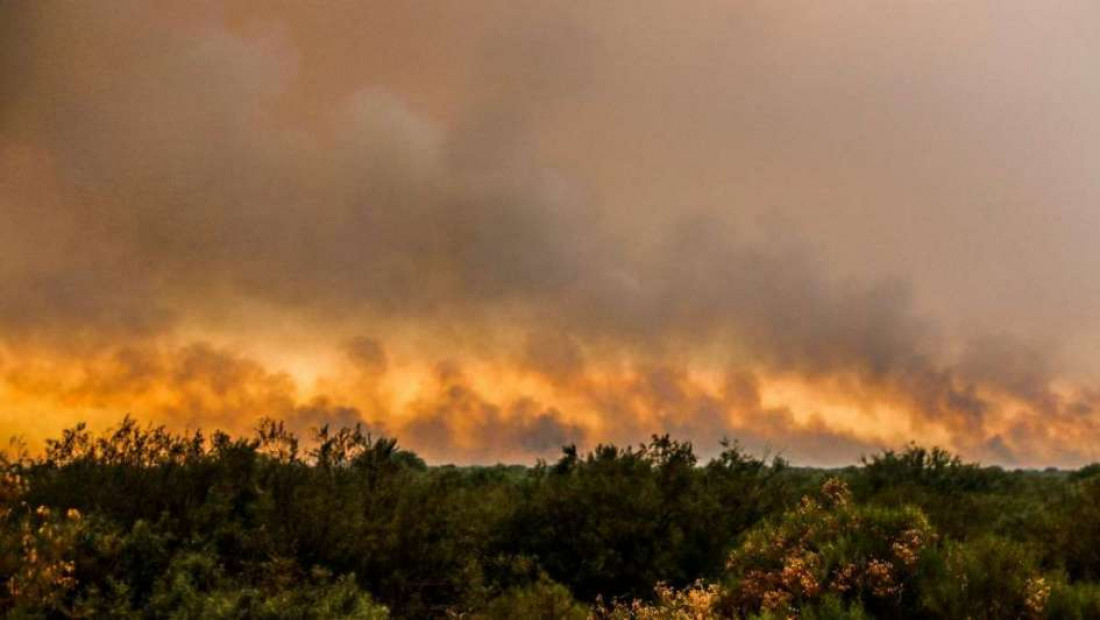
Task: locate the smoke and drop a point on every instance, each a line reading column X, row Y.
column 786, row 226
column 196, row 386
column 452, row 420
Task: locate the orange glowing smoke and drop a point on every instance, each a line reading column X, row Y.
column 465, row 409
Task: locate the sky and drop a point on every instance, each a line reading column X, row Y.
column 493, row 227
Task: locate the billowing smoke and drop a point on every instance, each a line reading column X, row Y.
column 495, row 229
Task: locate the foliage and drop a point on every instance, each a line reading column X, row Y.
column 985, row 578
column 144, row 522
column 959, row 498
column 695, row 602
column 830, row 546
column 617, row 521
column 541, row 600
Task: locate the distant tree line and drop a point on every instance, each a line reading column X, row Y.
column 144, row 522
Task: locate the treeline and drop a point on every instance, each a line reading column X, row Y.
column 143, row 522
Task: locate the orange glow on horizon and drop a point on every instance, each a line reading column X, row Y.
column 466, row 409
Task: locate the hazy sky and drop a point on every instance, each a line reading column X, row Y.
column 494, row 227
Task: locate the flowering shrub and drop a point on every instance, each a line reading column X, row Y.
column 36, row 548
column 828, row 546
column 695, row 602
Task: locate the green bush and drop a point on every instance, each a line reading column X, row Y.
column 541, row 600
column 1078, row 601
column 985, row 578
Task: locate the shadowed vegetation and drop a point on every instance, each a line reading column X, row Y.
column 144, row 522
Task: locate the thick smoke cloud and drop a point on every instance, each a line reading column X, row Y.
column 454, row 421
column 643, row 228
column 195, row 386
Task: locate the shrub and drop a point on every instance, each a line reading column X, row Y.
column 986, row 578
column 542, row 600
column 829, row 547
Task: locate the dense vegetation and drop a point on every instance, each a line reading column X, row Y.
column 144, row 522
